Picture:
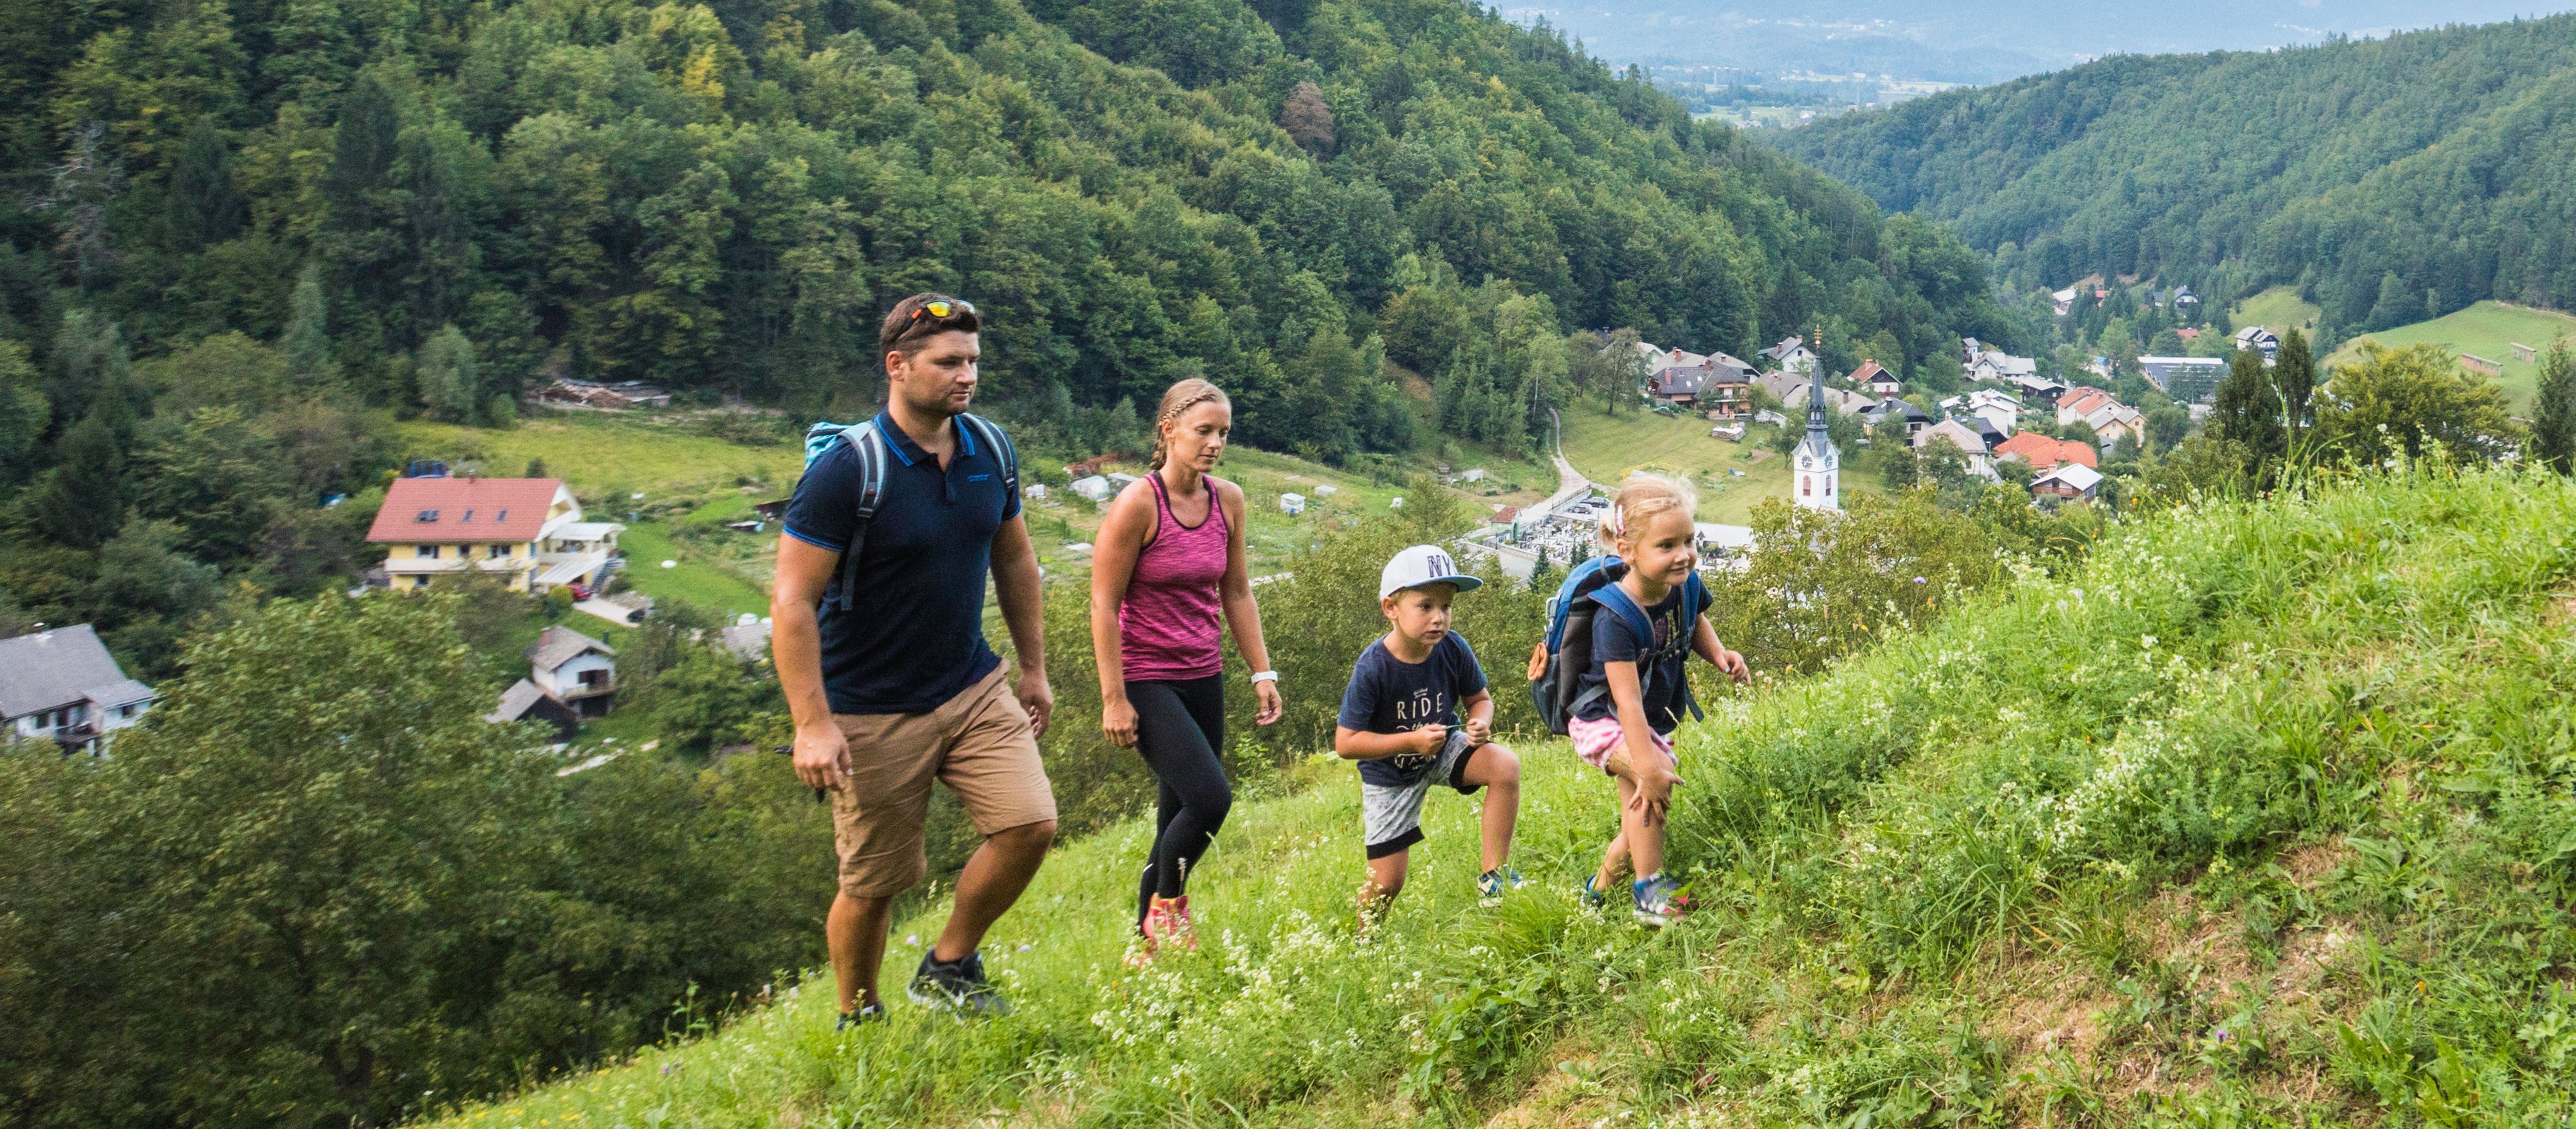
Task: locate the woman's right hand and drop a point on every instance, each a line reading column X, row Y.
column 1118, row 722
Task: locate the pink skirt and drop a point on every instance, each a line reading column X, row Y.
column 1595, row 740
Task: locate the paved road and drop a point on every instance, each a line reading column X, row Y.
column 1570, row 483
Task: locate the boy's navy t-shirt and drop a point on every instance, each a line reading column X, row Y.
column 1659, row 662
column 1389, row 695
column 915, row 635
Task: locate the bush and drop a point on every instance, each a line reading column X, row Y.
column 315, row 888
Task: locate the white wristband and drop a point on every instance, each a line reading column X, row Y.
column 1265, row 676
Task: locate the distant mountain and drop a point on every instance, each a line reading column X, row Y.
column 1973, row 42
column 2390, row 180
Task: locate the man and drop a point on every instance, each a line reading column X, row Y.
column 894, row 685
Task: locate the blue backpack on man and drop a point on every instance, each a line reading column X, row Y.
column 870, row 444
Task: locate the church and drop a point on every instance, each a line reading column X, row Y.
column 1820, row 466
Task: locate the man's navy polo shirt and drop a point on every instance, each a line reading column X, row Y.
column 915, row 637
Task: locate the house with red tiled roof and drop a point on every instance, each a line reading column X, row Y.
column 527, row 531
column 2081, row 402
column 1877, row 381
column 2044, row 453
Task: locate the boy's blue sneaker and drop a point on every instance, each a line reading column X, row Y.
column 1492, row 884
column 1592, row 897
column 1658, row 900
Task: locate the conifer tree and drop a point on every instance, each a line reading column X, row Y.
column 205, row 207
column 85, row 501
column 2247, row 410
column 306, row 345
column 2294, row 372
column 2553, row 418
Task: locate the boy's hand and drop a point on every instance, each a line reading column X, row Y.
column 1429, row 738
column 1478, row 729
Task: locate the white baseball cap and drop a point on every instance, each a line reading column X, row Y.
column 1419, row 566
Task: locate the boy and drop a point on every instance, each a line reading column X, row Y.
column 1400, row 720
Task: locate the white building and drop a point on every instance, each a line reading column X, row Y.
column 1292, row 503
column 1820, row 463
column 574, row 669
column 61, row 684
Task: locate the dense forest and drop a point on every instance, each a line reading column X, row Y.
column 2390, row 180
column 238, row 240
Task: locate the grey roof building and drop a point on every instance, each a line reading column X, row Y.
column 62, row 684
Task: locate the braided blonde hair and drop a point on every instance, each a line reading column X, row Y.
column 1638, row 501
column 1180, row 398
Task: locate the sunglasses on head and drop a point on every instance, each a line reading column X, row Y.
column 941, row 308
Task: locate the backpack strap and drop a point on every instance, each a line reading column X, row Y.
column 870, row 446
column 991, row 435
column 1695, row 602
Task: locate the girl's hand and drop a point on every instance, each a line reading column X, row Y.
column 1736, row 668
column 1653, row 796
column 1266, row 692
column 1118, row 723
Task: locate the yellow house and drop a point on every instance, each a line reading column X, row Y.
column 528, row 531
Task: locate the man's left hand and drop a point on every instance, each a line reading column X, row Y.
column 1036, row 697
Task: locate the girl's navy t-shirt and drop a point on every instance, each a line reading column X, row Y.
column 1659, row 660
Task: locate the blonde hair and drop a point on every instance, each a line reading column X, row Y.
column 1639, row 500
column 1179, row 398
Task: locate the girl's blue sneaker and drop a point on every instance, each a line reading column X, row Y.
column 1592, row 897
column 1493, row 884
column 1658, row 900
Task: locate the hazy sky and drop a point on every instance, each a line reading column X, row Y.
column 1980, row 42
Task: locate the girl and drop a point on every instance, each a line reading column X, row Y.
column 1631, row 696
column 1169, row 556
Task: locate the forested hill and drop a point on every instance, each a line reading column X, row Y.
column 726, row 196
column 2392, row 180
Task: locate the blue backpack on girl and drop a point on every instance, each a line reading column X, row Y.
column 1557, row 670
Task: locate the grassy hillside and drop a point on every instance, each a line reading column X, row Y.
column 2279, row 309
column 2489, row 330
column 2261, row 817
column 2391, row 179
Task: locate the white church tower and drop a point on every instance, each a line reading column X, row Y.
column 1820, row 466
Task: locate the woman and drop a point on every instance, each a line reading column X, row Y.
column 1168, row 558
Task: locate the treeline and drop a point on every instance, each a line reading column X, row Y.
column 2390, row 180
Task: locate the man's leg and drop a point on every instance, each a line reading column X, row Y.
column 856, row 933
column 992, row 763
column 993, row 879
column 1498, row 772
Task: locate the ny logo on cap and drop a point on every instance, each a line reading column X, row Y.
column 1438, row 563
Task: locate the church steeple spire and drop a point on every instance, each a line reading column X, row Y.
column 1820, row 466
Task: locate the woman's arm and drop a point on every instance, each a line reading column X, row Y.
column 1235, row 591
column 1113, row 566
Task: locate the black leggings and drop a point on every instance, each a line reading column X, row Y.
column 1179, row 728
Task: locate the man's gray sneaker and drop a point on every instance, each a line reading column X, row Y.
column 956, row 985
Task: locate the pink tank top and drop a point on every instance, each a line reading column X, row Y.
column 1167, row 628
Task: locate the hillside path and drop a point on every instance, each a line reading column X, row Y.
column 1570, row 483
